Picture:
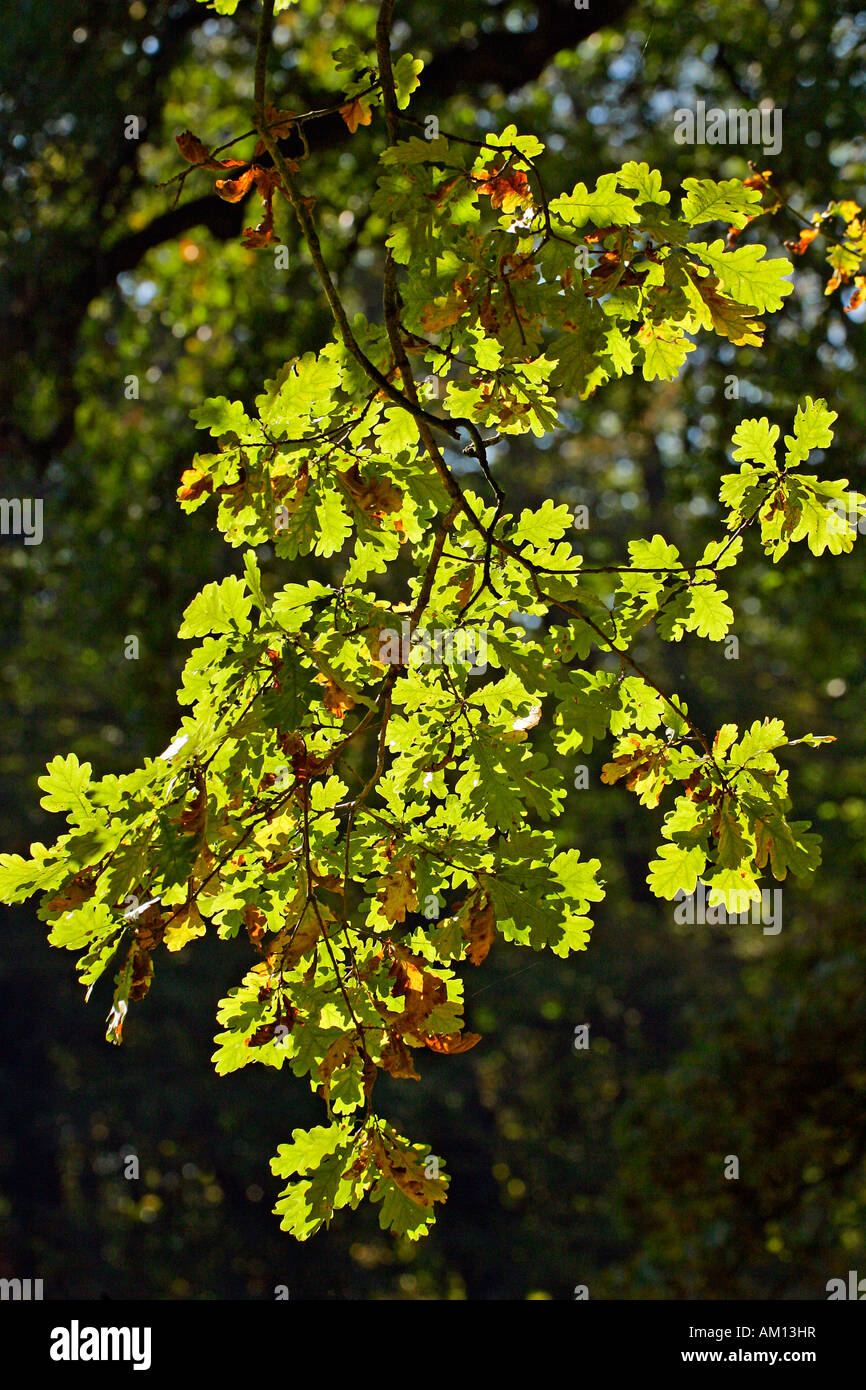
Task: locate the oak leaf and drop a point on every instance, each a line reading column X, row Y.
column 193, row 484
column 397, row 892
column 402, row 1166
column 196, row 152
column 356, row 113
column 185, row 927
column 374, row 496
column 397, row 1059
column 480, row 929
column 255, row 923
column 508, row 190
column 337, row 1058
column 336, row 700
column 232, row 190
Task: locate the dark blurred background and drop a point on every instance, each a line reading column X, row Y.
column 599, row 1167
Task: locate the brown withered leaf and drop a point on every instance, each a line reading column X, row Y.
column 293, row 943
column 374, row 496
column 513, row 267
column 150, row 927
column 439, row 194
column 267, row 182
column 278, row 1027
column 465, row 589
column 420, row 989
column 403, row 1167
column 254, row 238
column 255, row 923
column 730, row 319
column 142, row 973
column 193, row 817
column 598, row 234
column 369, row 1074
column 858, row 296
column 643, row 768
column 236, row 488
column 839, row 277
column 695, row 789
column 332, row 883
column 757, row 180
column 296, row 486
column 76, row 891
column 263, row 1034
column 279, row 123
column 444, row 311
column 799, row 248
column 232, row 190
column 195, row 151
column 337, row 1058
column 397, row 1059
column 361, row 1162
column 480, row 928
column 451, row 1043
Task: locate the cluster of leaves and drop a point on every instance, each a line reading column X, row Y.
column 245, row 175
column 846, row 251
column 372, row 821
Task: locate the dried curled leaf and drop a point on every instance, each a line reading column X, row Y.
column 196, row 152
column 396, row 1058
column 480, row 928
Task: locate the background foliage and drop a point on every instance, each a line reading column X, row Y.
column 599, row 1167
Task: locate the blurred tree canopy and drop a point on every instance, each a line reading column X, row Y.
column 568, row 1167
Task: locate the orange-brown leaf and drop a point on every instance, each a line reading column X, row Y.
column 335, row 700
column 356, row 113
column 451, row 1043
column 374, row 496
column 420, row 989
column 255, row 923
column 442, row 313
column 858, row 296
column 193, row 817
column 195, row 151
column 142, row 973
column 403, row 1167
column 77, row 891
column 232, row 190
column 507, row 190
column 397, row 1059
column 337, row 1058
column 799, row 248
column 480, row 928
